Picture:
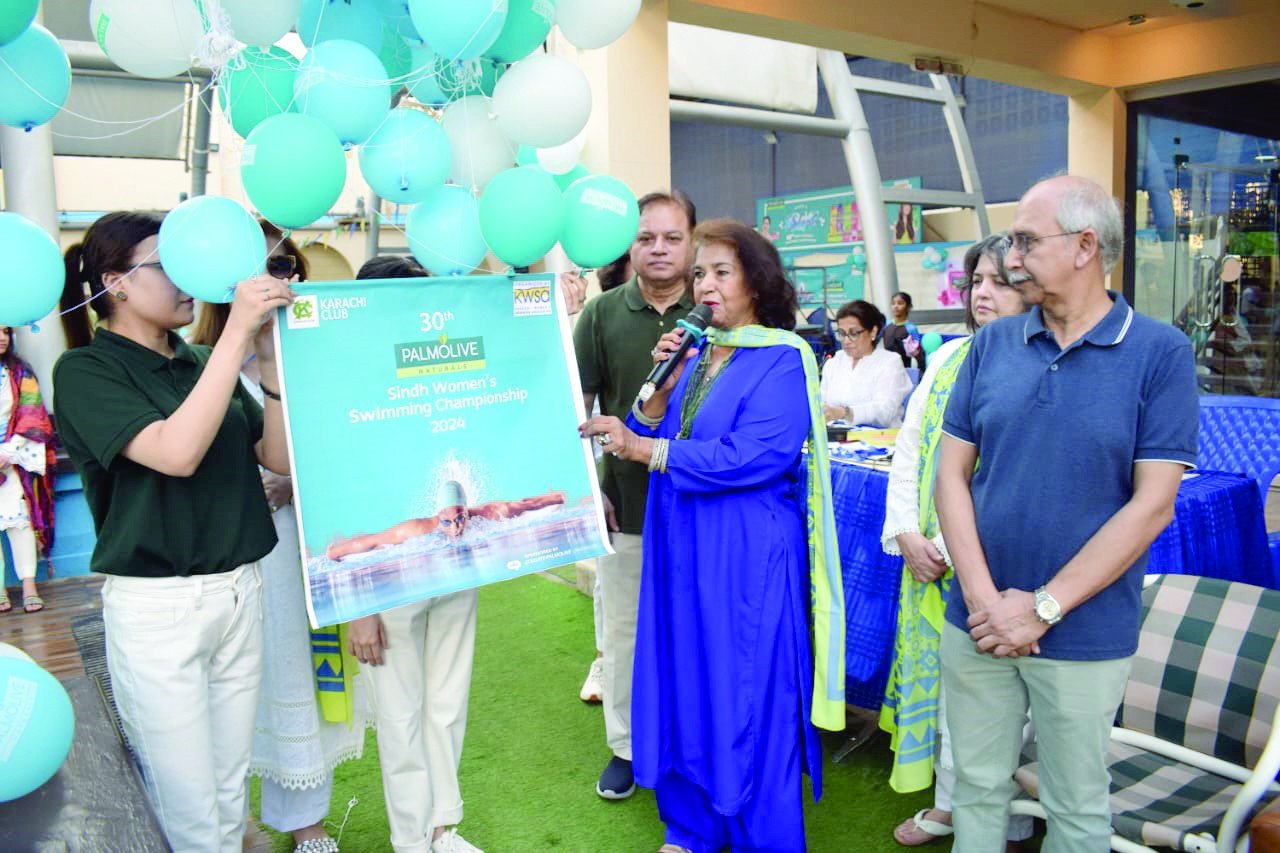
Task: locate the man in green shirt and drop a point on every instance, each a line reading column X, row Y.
column 614, row 339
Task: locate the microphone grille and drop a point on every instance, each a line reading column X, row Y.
column 700, row 316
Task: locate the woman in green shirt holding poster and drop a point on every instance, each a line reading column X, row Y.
column 167, row 443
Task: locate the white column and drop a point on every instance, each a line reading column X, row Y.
column 29, row 190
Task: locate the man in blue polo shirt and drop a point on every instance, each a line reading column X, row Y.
column 1084, row 416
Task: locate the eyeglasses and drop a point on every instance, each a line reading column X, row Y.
column 281, row 266
column 153, row 264
column 1023, row 242
column 841, row 334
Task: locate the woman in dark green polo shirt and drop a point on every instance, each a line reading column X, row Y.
column 167, row 443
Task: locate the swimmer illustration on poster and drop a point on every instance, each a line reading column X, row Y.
column 432, row 430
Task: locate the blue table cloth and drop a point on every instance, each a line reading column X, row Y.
column 1218, row 531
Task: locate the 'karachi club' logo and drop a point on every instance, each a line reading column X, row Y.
column 304, row 313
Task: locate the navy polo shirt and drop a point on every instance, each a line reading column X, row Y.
column 1057, row 433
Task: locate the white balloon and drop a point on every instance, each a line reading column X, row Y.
column 149, row 38
column 595, row 23
column 480, row 150
column 542, row 101
column 260, row 24
column 561, row 159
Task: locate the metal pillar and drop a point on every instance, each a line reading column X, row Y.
column 200, row 141
column 860, row 156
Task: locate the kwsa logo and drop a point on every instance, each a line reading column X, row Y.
column 532, row 298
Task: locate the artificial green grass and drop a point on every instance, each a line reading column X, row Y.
column 533, row 751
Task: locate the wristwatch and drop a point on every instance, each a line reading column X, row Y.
column 1047, row 608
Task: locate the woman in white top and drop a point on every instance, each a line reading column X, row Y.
column 864, row 383
column 912, row 711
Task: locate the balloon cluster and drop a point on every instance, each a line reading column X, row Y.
column 488, row 156
column 40, row 724
column 491, row 95
column 933, row 259
column 858, row 259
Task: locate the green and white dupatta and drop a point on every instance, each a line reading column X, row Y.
column 826, row 589
column 910, row 710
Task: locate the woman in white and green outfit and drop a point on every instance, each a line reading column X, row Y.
column 912, row 709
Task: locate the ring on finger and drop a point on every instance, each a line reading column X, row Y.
column 604, row 439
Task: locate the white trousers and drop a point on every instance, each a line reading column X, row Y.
column 619, row 576
column 185, row 657
column 597, row 608
column 420, row 696
column 22, row 542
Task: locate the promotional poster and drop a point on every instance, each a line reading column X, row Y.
column 433, row 436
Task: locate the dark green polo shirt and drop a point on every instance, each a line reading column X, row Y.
column 614, row 338
column 150, row 524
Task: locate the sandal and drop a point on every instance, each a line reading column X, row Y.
column 926, row 831
column 317, row 845
column 5, row 604
column 32, row 604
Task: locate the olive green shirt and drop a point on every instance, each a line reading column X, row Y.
column 150, row 524
column 614, row 339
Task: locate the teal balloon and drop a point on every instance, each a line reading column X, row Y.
column 407, row 157
column 444, row 231
column 395, row 13
column 40, row 724
column 293, row 169
column 601, row 218
column 526, row 155
column 35, row 78
column 396, row 56
column 527, row 25
column 424, row 77
column 350, row 20
column 570, row 177
column 33, row 271
column 521, row 214
column 930, row 341
column 207, row 244
column 15, row 17
column 343, row 84
column 458, row 29
column 468, row 77
column 858, row 260
column 257, row 85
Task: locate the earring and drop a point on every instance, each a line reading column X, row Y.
column 122, row 296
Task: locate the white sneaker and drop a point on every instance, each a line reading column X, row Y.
column 593, row 688
column 452, row 842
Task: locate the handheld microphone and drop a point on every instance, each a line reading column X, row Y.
column 693, row 326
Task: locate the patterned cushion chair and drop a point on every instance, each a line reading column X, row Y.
column 1192, row 753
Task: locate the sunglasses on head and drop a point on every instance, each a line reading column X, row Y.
column 281, row 266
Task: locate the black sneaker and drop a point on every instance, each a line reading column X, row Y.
column 616, row 782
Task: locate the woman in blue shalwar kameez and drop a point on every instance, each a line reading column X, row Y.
column 724, row 667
